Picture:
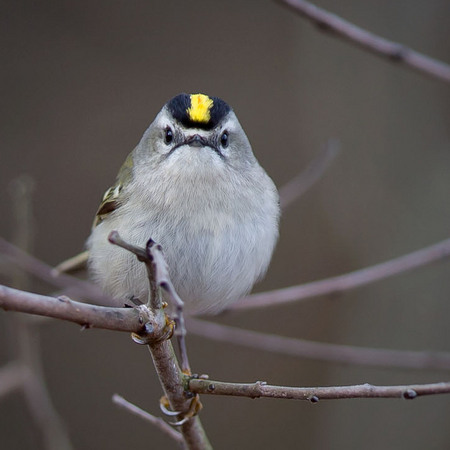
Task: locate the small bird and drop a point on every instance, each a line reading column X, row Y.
column 193, row 185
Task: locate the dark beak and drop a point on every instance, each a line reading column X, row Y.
column 196, row 141
column 199, row 142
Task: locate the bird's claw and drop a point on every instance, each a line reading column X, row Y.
column 147, row 338
column 164, row 406
column 195, row 407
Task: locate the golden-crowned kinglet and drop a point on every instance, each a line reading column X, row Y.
column 193, row 185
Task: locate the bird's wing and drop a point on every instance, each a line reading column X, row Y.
column 112, row 199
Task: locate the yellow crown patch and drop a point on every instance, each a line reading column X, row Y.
column 199, row 111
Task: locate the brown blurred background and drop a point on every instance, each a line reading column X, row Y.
column 80, row 82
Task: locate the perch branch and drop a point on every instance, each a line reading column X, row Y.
column 349, row 32
column 314, row 394
column 164, row 281
column 139, row 320
column 349, row 280
column 172, row 380
column 89, row 316
column 158, row 275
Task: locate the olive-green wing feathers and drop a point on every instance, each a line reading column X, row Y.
column 112, row 199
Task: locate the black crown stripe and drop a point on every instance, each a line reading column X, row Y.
column 179, row 105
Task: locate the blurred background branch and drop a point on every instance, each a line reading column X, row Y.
column 393, row 51
column 26, row 366
column 155, row 421
column 348, row 281
column 321, row 351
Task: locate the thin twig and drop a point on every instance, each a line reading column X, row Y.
column 154, row 297
column 314, row 394
column 158, row 275
column 156, row 421
column 74, row 264
column 351, row 280
column 296, row 187
column 390, row 50
column 320, row 351
column 164, row 281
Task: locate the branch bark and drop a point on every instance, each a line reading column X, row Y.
column 157, row 335
column 314, row 394
column 89, row 316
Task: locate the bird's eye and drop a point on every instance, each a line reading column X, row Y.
column 224, row 139
column 168, row 136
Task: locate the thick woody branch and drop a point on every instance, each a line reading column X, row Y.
column 151, row 328
column 314, row 394
column 173, row 383
column 348, row 281
column 172, row 379
column 89, row 316
column 390, row 50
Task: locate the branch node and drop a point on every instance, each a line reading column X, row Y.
column 150, row 336
column 313, row 399
column 324, row 26
column 399, row 53
column 410, row 394
column 189, row 394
